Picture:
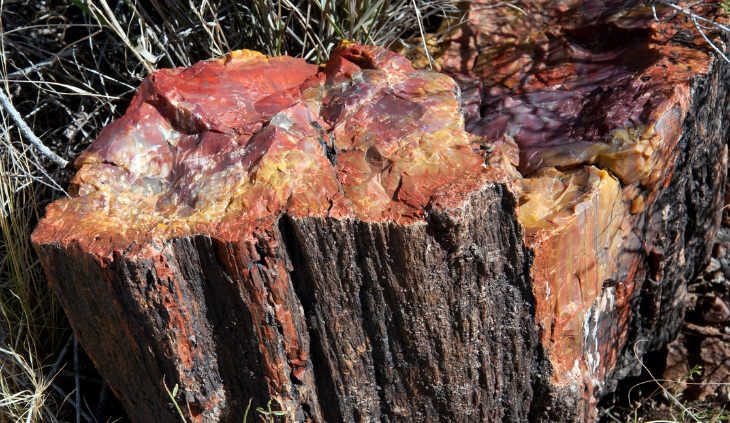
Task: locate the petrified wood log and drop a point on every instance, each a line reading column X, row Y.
column 575, row 89
column 336, row 239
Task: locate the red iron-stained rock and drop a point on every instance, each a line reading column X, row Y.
column 605, row 111
column 175, row 258
column 338, row 240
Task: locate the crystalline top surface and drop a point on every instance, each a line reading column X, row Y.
column 217, row 147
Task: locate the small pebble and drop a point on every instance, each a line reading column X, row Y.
column 713, row 266
column 719, row 312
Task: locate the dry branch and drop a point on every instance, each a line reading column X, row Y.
column 28, row 133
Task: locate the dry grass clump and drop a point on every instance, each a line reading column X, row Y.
column 56, row 77
column 24, row 397
column 31, row 325
column 173, row 33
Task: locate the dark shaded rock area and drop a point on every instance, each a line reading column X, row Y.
column 704, row 340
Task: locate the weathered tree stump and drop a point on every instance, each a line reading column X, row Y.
column 337, row 239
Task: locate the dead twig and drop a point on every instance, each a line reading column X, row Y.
column 28, row 133
column 423, row 36
column 696, row 19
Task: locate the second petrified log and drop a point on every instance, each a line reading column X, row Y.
column 336, row 239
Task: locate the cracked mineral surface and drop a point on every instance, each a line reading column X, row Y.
column 340, row 239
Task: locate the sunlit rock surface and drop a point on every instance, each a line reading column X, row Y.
column 245, row 137
column 598, row 106
column 217, row 153
column 365, row 241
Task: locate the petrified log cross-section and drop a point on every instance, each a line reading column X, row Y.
column 337, row 240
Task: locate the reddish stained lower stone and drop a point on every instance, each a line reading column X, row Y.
column 568, row 89
column 705, row 349
column 576, row 248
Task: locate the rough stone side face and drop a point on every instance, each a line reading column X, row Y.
column 680, row 228
column 342, row 320
column 610, row 123
column 433, row 319
column 194, row 311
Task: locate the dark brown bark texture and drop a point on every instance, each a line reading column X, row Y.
column 341, row 241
